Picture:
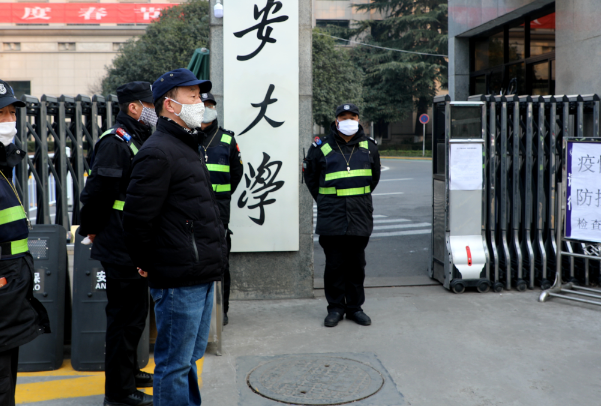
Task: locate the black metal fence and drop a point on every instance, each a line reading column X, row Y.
column 60, row 132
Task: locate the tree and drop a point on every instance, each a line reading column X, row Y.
column 336, row 78
column 397, row 83
column 167, row 44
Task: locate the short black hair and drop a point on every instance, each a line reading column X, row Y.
column 124, row 107
column 158, row 104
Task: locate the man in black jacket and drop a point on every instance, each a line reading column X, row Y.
column 101, row 220
column 175, row 235
column 224, row 162
column 341, row 171
column 22, row 316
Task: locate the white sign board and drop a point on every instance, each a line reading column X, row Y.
column 261, row 103
column 583, row 194
column 465, row 166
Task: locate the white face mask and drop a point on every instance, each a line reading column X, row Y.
column 8, row 132
column 210, row 115
column 348, row 127
column 191, row 114
column 148, row 116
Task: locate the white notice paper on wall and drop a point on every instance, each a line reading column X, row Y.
column 465, row 166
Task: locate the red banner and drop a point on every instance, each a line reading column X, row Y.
column 80, row 13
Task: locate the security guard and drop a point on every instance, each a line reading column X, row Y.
column 22, row 317
column 224, row 162
column 101, row 220
column 341, row 171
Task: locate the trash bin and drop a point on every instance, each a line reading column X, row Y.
column 89, row 317
column 48, row 246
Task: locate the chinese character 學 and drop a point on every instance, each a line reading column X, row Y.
column 264, row 183
column 35, row 13
column 93, row 13
column 265, row 37
column 586, row 163
column 584, row 197
column 263, row 105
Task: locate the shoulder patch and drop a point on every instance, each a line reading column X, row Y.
column 317, row 141
column 373, row 140
column 314, row 144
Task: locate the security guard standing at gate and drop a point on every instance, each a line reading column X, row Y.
column 101, row 220
column 22, row 316
column 224, row 163
column 341, row 171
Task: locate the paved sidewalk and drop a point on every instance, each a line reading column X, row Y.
column 437, row 348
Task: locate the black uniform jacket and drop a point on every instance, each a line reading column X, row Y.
column 171, row 219
column 337, row 215
column 107, row 183
column 214, row 133
column 22, row 316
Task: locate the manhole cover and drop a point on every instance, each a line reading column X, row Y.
column 315, row 380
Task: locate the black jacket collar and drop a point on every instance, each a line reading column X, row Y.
column 10, row 156
column 208, row 133
column 355, row 140
column 189, row 137
column 139, row 131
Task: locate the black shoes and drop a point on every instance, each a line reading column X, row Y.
column 135, row 399
column 332, row 319
column 359, row 318
column 225, row 319
column 144, row 379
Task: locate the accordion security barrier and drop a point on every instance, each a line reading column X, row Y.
column 89, row 317
column 522, row 166
column 50, row 287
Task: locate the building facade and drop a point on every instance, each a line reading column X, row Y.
column 532, row 47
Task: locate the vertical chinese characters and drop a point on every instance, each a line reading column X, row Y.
column 260, row 184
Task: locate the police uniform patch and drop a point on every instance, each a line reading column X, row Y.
column 2, row 89
column 238, row 147
column 317, row 141
column 204, row 96
column 373, row 140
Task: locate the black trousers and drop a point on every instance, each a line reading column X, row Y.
column 345, row 272
column 126, row 312
column 9, row 361
column 227, row 281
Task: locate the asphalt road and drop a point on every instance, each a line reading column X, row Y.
column 398, row 250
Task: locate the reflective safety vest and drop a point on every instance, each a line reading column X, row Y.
column 218, row 165
column 118, row 204
column 13, row 223
column 338, row 180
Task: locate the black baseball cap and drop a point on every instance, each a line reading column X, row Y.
column 134, row 91
column 207, row 97
column 178, row 78
column 343, row 108
column 7, row 96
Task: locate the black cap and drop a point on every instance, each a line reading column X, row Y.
column 134, row 91
column 207, row 97
column 7, row 96
column 178, row 78
column 343, row 108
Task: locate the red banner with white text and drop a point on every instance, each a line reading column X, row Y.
column 80, row 13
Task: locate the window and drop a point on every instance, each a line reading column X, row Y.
column 11, row 46
column 517, row 58
column 20, row 87
column 66, row 46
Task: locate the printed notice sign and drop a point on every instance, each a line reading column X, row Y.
column 465, row 166
column 583, row 191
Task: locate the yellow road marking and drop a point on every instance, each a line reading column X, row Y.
column 75, row 384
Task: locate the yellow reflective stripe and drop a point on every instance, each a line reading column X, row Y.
column 218, row 168
column 327, row 190
column 18, row 247
column 326, row 149
column 345, row 192
column 134, row 149
column 12, row 214
column 105, row 133
column 354, row 191
column 346, row 174
column 118, row 205
column 222, row 188
column 226, row 138
column 363, row 144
